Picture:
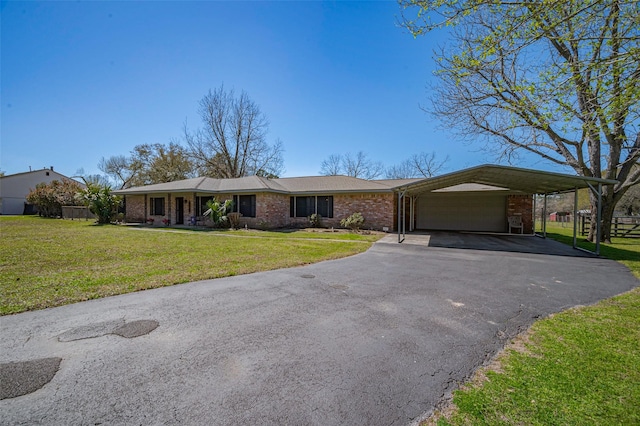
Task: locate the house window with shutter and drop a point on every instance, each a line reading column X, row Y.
column 308, row 205
column 245, row 205
column 157, row 206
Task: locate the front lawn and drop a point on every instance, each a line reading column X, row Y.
column 51, row 262
column 578, row 367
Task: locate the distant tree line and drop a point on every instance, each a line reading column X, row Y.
column 420, row 165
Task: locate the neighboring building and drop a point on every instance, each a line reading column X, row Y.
column 560, row 217
column 15, row 188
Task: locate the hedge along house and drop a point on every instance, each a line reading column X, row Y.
column 267, row 203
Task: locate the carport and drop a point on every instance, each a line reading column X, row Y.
column 475, row 199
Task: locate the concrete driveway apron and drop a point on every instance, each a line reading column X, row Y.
column 379, row 338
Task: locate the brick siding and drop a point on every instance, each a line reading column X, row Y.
column 135, row 209
column 522, row 205
column 272, row 210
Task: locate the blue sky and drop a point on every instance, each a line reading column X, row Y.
column 86, row 80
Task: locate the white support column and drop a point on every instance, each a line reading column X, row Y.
column 401, row 219
column 544, row 217
column 404, row 216
column 533, row 225
column 575, row 218
column 412, row 213
column 599, row 218
column 399, row 213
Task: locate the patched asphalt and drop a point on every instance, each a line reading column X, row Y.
column 23, row 377
column 377, row 338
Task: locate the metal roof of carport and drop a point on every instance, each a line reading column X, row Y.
column 513, row 178
column 516, row 179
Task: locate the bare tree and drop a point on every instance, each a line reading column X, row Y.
column 120, row 168
column 417, row 166
column 358, row 165
column 100, row 180
column 556, row 79
column 232, row 141
column 332, row 165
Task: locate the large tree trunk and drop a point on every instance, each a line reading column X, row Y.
column 608, row 208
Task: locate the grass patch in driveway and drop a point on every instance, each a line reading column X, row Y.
column 581, row 366
column 49, row 262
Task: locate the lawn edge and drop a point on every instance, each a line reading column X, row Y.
column 446, row 408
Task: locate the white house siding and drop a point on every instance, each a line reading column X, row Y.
column 15, row 188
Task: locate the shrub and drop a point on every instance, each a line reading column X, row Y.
column 101, row 202
column 234, row 220
column 49, row 198
column 315, row 220
column 353, row 222
column 218, row 211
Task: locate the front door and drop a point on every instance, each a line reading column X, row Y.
column 179, row 211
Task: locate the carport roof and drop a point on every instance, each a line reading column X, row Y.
column 512, row 178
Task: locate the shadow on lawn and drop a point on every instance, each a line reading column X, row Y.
column 606, row 250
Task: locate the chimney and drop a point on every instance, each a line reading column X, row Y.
column 51, row 168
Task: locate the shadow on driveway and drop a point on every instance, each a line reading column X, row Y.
column 487, row 242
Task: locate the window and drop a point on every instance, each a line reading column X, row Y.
column 201, row 205
column 157, row 206
column 245, row 205
column 325, row 206
column 306, row 206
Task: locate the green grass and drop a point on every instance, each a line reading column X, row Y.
column 49, row 262
column 624, row 250
column 578, row 367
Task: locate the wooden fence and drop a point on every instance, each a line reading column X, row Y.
column 77, row 212
column 622, row 226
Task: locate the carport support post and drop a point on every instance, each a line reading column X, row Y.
column 598, row 217
column 575, row 218
column 544, row 217
column 411, row 213
column 599, row 223
column 401, row 221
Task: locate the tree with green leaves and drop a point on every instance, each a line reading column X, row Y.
column 218, row 211
column 149, row 164
column 101, row 202
column 559, row 79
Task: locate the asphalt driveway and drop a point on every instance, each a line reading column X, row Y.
column 378, row 338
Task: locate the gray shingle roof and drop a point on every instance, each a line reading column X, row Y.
column 515, row 179
column 333, row 184
column 297, row 185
